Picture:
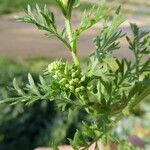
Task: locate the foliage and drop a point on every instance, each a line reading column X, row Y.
column 23, row 127
column 108, row 90
column 127, row 146
column 8, row 6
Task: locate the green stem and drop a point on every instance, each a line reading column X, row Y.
column 64, row 41
column 108, row 130
column 145, row 94
column 75, row 58
column 72, row 42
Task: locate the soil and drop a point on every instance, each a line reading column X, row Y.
column 19, row 40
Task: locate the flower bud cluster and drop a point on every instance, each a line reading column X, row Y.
column 77, row 80
column 69, row 78
column 56, row 69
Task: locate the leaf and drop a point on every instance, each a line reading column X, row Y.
column 61, row 6
column 70, row 113
column 70, row 6
column 88, row 131
column 91, row 17
column 42, row 81
column 54, row 147
column 17, row 88
column 118, row 10
column 145, row 93
column 42, row 18
column 79, row 140
column 31, row 81
column 76, row 4
column 32, row 85
column 8, row 100
column 63, row 33
column 107, row 41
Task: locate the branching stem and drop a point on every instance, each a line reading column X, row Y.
column 72, row 41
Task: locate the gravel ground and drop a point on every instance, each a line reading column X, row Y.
column 19, row 40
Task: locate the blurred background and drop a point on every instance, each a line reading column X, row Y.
column 24, row 49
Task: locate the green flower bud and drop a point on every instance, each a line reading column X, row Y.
column 71, row 82
column 83, row 78
column 71, row 88
column 67, row 85
column 56, row 67
column 76, row 80
column 77, row 90
column 73, row 75
column 57, row 72
column 82, row 88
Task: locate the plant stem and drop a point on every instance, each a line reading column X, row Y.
column 109, row 129
column 64, row 41
column 143, row 96
column 72, row 41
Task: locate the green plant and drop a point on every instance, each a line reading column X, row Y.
column 23, row 127
column 108, row 89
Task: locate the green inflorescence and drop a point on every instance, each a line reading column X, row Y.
column 69, row 78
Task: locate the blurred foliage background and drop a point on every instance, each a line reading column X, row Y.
column 8, row 6
column 140, row 7
column 26, row 127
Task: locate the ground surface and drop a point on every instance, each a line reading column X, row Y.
column 23, row 40
column 92, row 147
